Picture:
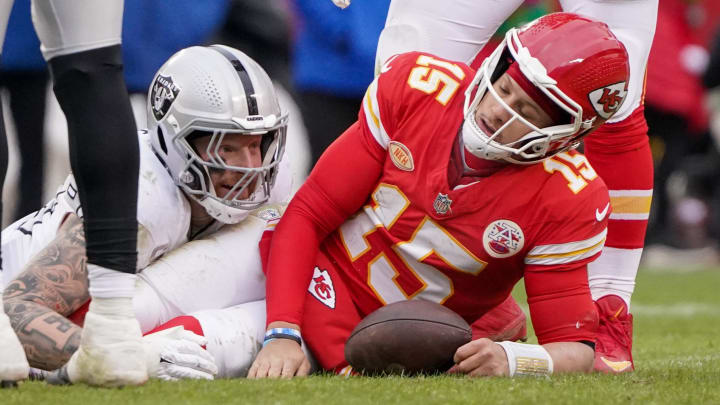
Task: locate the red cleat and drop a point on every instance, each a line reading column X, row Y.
column 613, row 348
column 504, row 322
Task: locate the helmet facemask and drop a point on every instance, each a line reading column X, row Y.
column 539, row 143
column 254, row 184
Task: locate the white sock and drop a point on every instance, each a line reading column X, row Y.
column 613, row 273
column 106, row 283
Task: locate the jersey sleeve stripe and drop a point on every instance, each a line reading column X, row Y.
column 566, row 252
column 563, row 259
column 372, row 110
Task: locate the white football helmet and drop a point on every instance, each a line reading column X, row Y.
column 215, row 91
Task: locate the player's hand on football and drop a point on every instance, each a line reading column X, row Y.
column 280, row 358
column 176, row 354
column 481, row 357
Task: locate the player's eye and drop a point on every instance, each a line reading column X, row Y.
column 225, row 149
column 529, row 114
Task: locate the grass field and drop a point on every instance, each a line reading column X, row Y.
column 677, row 355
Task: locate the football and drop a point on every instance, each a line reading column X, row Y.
column 407, row 337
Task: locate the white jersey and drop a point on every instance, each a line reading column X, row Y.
column 218, row 271
column 163, row 215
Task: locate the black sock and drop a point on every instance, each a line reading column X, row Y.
column 104, row 153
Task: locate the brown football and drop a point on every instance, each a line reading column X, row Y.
column 407, row 337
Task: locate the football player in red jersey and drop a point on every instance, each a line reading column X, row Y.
column 451, row 187
column 619, row 150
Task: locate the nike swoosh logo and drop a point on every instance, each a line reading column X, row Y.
column 617, row 366
column 386, row 66
column 600, row 215
column 618, row 311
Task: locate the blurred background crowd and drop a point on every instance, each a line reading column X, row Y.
column 322, row 59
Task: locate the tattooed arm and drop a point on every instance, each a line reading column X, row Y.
column 53, row 285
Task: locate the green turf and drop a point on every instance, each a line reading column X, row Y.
column 677, row 355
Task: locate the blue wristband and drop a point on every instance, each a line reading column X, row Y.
column 283, row 333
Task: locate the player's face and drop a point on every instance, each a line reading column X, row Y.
column 235, row 150
column 491, row 115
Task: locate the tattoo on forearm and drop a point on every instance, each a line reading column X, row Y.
column 49, row 339
column 57, row 276
column 53, row 285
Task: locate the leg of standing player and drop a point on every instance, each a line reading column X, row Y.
column 620, row 153
column 81, row 42
column 455, row 32
column 13, row 365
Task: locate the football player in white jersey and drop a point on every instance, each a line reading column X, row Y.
column 210, row 157
column 619, row 150
column 81, row 43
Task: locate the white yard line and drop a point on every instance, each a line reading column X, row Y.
column 681, row 310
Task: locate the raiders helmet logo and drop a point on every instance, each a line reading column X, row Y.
column 607, row 100
column 162, row 94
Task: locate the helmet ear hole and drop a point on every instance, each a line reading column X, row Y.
column 194, row 178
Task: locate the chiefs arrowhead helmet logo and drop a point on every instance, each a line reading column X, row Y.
column 607, row 100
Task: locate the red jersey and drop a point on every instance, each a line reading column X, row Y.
column 419, row 237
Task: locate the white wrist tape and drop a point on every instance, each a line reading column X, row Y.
column 527, row 360
column 113, row 308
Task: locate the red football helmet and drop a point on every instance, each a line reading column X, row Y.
column 576, row 62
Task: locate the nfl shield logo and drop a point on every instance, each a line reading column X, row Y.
column 442, row 204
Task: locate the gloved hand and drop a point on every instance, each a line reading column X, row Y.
column 175, row 354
